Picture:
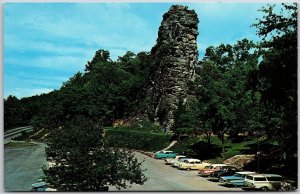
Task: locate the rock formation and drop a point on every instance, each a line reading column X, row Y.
column 174, row 58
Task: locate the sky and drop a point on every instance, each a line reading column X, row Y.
column 47, row 43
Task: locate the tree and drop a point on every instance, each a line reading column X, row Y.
column 224, row 103
column 100, row 56
column 84, row 162
column 12, row 112
column 276, row 77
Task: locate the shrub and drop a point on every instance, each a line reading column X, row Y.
column 137, row 140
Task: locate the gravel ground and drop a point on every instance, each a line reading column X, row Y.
column 22, row 167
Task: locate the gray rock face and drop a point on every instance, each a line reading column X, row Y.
column 174, row 58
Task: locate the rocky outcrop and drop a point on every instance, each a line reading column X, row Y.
column 174, row 58
column 240, row 160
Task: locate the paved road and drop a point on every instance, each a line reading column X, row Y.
column 166, row 178
column 8, row 135
column 22, row 167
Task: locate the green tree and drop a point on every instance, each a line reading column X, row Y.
column 83, row 161
column 100, row 56
column 224, row 103
column 276, row 77
column 106, row 91
column 12, row 112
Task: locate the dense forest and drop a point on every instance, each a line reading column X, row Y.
column 246, row 87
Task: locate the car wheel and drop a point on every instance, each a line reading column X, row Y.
column 188, row 169
column 264, row 188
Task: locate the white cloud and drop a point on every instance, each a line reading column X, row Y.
column 25, row 92
column 63, row 37
column 69, row 63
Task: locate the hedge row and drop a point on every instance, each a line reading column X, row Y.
column 137, row 140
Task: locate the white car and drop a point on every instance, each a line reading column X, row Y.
column 190, row 164
column 172, row 160
column 176, row 163
column 263, row 182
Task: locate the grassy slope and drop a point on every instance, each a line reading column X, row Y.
column 198, row 147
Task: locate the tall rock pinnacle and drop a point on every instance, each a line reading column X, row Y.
column 174, row 58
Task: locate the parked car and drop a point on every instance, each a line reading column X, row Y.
column 164, row 154
column 191, row 164
column 176, row 163
column 226, row 171
column 41, row 186
column 264, row 182
column 209, row 169
column 172, row 160
column 236, row 180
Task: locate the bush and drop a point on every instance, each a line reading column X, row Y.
column 146, row 125
column 137, row 140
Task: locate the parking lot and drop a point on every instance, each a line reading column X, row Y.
column 166, row 178
column 22, row 166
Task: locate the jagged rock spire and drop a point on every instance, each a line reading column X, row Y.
column 174, row 58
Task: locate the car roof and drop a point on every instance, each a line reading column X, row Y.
column 245, row 172
column 192, row 159
column 39, row 184
column 178, row 156
column 219, row 165
column 266, row 175
column 277, row 175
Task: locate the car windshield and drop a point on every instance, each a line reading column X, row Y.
column 238, row 175
column 182, row 159
column 260, row 179
column 249, row 177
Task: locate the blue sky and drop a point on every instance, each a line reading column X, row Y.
column 47, row 43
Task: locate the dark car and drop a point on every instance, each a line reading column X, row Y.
column 226, row 171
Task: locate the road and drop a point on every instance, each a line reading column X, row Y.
column 166, row 178
column 22, row 166
column 9, row 134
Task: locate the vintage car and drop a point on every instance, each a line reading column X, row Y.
column 264, row 182
column 41, row 186
column 191, row 164
column 226, row 171
column 164, row 154
column 170, row 161
column 176, row 163
column 211, row 168
column 236, row 180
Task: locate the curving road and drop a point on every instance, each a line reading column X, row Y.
column 166, row 178
column 9, row 134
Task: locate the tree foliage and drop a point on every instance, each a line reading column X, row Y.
column 83, row 161
column 224, row 103
column 276, row 77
